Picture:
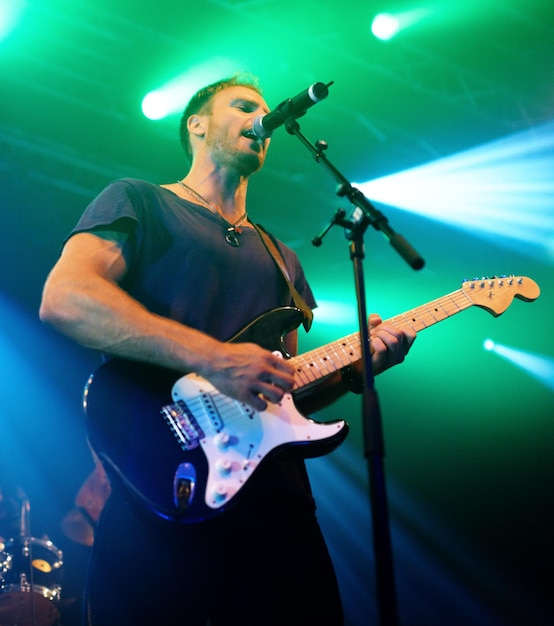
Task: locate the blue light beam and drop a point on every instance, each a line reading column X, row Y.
column 539, row 366
column 502, row 191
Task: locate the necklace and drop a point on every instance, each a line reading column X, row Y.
column 233, row 229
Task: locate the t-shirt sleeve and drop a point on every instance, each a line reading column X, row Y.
column 114, row 208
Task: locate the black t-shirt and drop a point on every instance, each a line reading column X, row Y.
column 181, row 267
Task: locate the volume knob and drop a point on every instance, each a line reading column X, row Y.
column 224, row 466
column 219, row 492
column 222, row 440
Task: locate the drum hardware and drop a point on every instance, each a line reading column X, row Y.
column 30, row 582
column 5, row 561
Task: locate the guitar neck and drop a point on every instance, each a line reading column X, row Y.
column 320, row 362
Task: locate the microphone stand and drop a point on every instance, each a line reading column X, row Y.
column 365, row 215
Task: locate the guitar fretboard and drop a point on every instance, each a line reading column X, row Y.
column 320, row 362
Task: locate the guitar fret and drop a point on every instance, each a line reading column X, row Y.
column 347, row 351
column 302, row 378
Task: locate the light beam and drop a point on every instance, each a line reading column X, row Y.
column 503, row 190
column 172, row 97
column 538, row 366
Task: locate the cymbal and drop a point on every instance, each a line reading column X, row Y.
column 78, row 527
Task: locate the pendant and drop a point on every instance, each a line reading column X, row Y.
column 231, row 237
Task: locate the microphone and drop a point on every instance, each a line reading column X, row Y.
column 264, row 125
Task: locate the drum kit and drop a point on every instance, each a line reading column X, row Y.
column 31, row 568
column 30, row 575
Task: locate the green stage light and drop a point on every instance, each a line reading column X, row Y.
column 385, row 26
column 155, row 105
column 10, row 14
column 172, row 97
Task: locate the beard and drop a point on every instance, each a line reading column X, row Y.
column 226, row 152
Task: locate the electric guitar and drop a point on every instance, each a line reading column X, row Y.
column 186, row 451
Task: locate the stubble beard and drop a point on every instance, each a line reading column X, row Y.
column 226, row 153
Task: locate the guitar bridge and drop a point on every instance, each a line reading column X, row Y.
column 183, row 424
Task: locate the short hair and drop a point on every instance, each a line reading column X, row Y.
column 201, row 103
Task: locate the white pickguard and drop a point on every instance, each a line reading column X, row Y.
column 237, row 438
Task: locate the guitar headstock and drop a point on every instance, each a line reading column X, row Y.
column 497, row 293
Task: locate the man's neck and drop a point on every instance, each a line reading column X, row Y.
column 223, row 191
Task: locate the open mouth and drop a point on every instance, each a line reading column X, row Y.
column 249, row 134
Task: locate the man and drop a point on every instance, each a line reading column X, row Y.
column 166, row 275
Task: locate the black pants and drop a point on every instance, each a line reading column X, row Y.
column 263, row 563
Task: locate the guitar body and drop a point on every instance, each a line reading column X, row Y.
column 182, row 448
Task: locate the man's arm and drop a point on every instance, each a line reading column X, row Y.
column 82, row 299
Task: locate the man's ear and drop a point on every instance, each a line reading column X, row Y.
column 196, row 126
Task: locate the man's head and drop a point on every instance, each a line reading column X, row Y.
column 201, row 103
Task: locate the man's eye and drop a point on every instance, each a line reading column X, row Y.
column 244, row 106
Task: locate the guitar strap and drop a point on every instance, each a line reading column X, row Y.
column 276, row 255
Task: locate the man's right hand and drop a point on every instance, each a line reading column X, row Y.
column 250, row 374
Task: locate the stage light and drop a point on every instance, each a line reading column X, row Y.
column 330, row 310
column 385, row 26
column 503, row 191
column 488, row 345
column 172, row 97
column 10, row 14
column 155, row 105
column 538, row 366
